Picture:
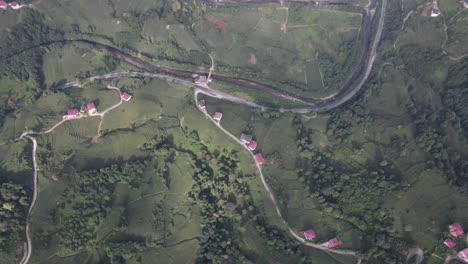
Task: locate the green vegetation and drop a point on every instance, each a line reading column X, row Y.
column 384, row 173
column 85, row 202
column 167, row 183
column 251, row 44
column 14, row 200
column 457, row 35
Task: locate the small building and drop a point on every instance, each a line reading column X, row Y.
column 14, row 5
column 450, row 243
column 91, row 108
column 464, row 254
column 252, row 145
column 246, row 138
column 72, row 112
column 259, row 158
column 126, row 97
column 309, row 234
column 217, row 116
column 456, row 229
column 334, row 242
column 83, row 108
column 435, row 12
column 201, row 104
column 202, row 79
column 465, row 3
column 3, row 4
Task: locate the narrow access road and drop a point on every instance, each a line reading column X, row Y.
column 449, row 259
column 415, row 252
column 267, row 187
column 28, row 248
column 328, row 104
column 332, row 101
column 28, row 135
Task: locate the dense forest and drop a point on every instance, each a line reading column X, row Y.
column 351, row 193
column 221, row 191
column 86, row 203
column 14, row 202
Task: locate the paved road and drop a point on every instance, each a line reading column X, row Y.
column 317, row 104
column 329, row 103
column 267, row 187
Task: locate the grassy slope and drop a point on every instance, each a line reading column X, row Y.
column 122, row 145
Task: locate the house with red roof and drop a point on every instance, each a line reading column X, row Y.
column 201, row 104
column 14, row 5
column 246, row 138
column 3, row 4
column 71, row 114
column 456, row 229
column 309, row 234
column 252, row 145
column 450, row 243
column 259, row 158
column 91, row 108
column 217, row 116
column 464, row 254
column 334, row 242
column 126, row 97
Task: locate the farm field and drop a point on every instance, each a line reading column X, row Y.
column 423, row 31
column 251, row 40
column 457, row 35
column 155, row 179
column 424, row 205
column 70, row 145
column 307, row 57
column 65, row 63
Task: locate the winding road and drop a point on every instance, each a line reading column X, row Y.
column 326, row 103
column 28, row 135
column 267, row 188
column 317, row 104
column 28, row 247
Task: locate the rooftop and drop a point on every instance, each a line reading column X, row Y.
column 450, row 243
column 309, row 234
column 463, row 254
column 90, row 106
column 217, row 116
column 334, row 242
column 246, row 138
column 72, row 112
column 252, row 145
column 456, row 229
column 259, row 158
column 126, row 97
column 201, row 104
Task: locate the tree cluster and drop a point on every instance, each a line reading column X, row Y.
column 86, row 203
column 340, row 124
column 14, row 201
column 119, row 252
column 353, row 194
